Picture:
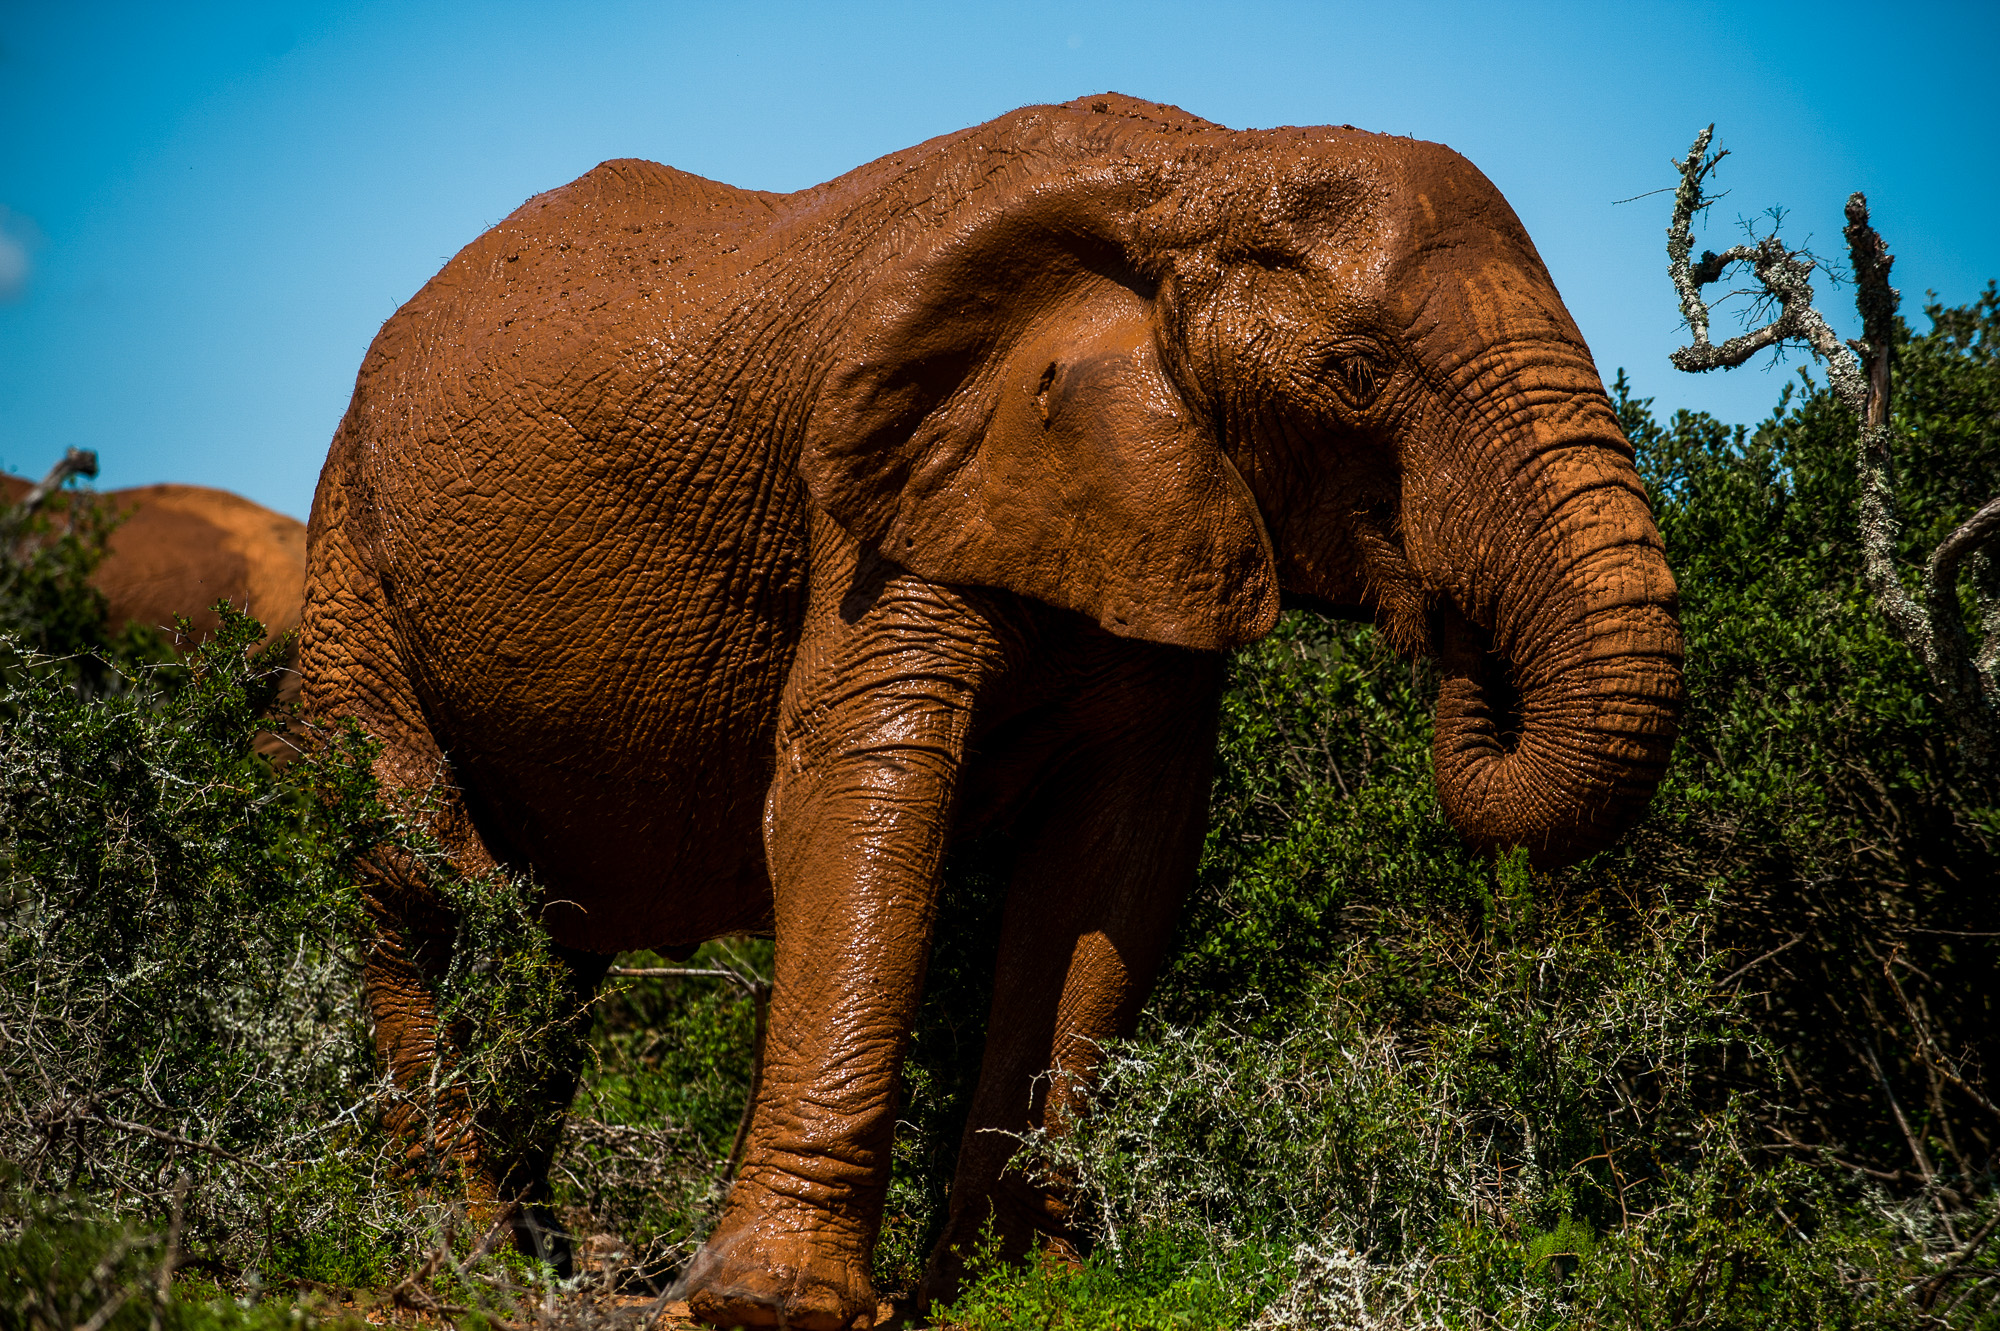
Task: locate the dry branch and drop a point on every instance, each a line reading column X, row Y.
column 171, row 1138
column 1965, row 681
column 74, row 462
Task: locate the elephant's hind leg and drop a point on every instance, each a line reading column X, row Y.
column 491, row 1145
column 488, row 1133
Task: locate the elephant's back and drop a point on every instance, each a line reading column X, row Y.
column 631, row 251
column 562, row 469
column 178, row 549
column 181, row 548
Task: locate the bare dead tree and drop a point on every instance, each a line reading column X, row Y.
column 14, row 519
column 1965, row 679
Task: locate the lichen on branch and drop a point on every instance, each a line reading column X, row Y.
column 1966, row 681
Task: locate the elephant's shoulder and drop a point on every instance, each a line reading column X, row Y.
column 631, row 190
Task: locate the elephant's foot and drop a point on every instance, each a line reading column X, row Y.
column 1005, row 1226
column 781, row 1265
column 531, row 1229
column 538, row 1234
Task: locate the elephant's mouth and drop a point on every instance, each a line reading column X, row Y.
column 1490, row 712
column 1325, row 608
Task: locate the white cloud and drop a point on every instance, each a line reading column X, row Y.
column 14, row 266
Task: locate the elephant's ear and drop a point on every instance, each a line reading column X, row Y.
column 997, row 414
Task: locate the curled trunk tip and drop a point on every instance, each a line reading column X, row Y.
column 1564, row 763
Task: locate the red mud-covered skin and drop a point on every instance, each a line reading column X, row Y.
column 727, row 556
column 178, row 549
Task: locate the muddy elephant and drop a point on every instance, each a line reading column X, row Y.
column 178, row 549
column 728, row 556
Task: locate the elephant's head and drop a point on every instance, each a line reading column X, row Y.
column 1161, row 373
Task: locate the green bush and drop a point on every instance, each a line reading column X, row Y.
column 648, row 1139
column 175, row 961
column 1816, row 785
column 181, row 936
column 182, row 1041
column 1161, row 1281
column 48, row 608
column 1536, row 1142
column 62, row 1268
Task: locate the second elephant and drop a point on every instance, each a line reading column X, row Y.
column 178, row 549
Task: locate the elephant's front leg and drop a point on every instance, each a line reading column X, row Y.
column 871, row 737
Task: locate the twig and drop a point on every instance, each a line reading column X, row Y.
column 410, row 1293
column 1748, row 966
column 681, row 973
column 1647, row 195
column 170, row 1260
column 1935, row 1285
column 760, row 997
column 1896, row 1107
column 1822, row 1153
column 170, row 1138
column 1928, row 1048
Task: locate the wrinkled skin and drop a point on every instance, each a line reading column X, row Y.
column 729, row 555
column 178, row 549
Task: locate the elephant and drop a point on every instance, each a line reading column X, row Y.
column 723, row 558
column 178, row 549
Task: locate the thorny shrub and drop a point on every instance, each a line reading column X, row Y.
column 181, row 1033
column 48, row 607
column 182, row 1040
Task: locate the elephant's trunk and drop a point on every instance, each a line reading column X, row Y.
column 1562, row 687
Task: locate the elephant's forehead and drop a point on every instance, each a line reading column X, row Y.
column 1373, row 213
column 1477, row 286
column 1456, row 258
column 1331, row 173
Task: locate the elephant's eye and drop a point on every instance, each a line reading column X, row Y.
column 1359, row 376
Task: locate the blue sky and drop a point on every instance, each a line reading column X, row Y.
column 207, row 211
